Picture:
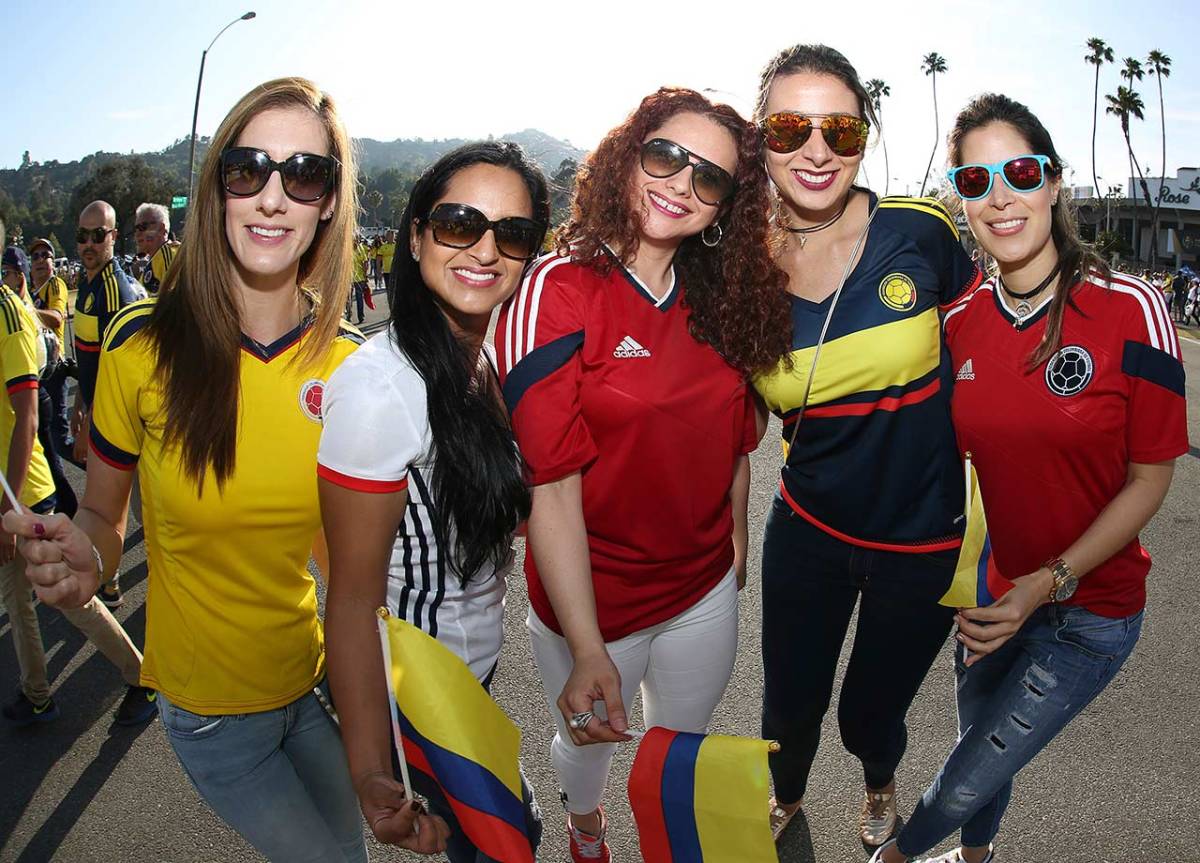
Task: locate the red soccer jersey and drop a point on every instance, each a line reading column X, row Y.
column 1053, row 446
column 603, row 378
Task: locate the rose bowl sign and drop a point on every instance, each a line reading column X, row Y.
column 1179, row 192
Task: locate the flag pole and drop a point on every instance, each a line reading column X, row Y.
column 8, row 492
column 383, row 615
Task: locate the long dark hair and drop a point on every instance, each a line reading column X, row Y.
column 1076, row 259
column 736, row 294
column 477, row 484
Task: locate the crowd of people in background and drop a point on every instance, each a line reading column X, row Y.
column 713, row 270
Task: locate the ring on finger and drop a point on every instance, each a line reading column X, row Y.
column 579, row 720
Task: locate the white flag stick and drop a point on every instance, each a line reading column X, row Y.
column 383, row 616
column 8, row 492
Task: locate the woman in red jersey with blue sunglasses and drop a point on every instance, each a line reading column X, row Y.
column 1069, row 400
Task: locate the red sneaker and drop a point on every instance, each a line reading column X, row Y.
column 586, row 847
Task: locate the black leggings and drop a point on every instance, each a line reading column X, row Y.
column 811, row 584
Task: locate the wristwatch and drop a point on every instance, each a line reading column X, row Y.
column 1065, row 581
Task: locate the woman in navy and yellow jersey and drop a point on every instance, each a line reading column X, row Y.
column 868, row 509
column 213, row 393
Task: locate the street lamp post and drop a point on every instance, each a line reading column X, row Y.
column 196, row 110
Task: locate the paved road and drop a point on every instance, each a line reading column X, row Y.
column 1114, row 790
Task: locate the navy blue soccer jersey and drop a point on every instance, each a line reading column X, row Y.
column 874, row 460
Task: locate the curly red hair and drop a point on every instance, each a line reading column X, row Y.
column 735, row 293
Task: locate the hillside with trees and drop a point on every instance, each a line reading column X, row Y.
column 43, row 199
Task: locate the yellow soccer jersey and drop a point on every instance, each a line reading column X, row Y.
column 18, row 362
column 387, row 251
column 361, row 255
column 52, row 296
column 160, row 262
column 231, row 621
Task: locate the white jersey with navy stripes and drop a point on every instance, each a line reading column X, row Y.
column 376, row 437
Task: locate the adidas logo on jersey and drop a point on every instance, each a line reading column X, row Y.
column 966, row 373
column 629, row 349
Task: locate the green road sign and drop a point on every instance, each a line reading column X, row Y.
column 179, row 202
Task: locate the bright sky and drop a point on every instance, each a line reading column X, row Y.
column 81, row 77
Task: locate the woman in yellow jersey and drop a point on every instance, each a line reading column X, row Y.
column 869, row 506
column 213, row 392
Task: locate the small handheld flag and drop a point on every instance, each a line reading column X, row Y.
column 448, row 728
column 969, row 588
column 701, row 798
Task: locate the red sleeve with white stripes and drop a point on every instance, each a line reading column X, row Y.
column 1156, row 425
column 538, row 340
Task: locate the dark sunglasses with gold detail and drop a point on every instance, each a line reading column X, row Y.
column 96, row 236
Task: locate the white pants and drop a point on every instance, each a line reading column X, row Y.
column 681, row 665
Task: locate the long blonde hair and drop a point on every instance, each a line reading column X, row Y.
column 196, row 327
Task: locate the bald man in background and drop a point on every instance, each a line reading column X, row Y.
column 104, row 288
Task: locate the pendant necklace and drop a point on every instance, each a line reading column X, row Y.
column 1023, row 308
column 802, row 233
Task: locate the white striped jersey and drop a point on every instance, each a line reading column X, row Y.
column 376, row 438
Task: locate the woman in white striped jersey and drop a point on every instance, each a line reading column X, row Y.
column 421, row 486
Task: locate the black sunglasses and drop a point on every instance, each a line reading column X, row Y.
column 40, row 255
column 92, row 235
column 306, row 177
column 711, row 183
column 459, row 226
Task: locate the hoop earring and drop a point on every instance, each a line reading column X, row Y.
column 704, row 236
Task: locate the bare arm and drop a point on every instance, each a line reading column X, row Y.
column 359, row 530
column 984, row 630
column 20, row 450
column 558, row 540
column 739, row 499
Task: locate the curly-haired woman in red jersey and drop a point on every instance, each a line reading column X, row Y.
column 624, row 358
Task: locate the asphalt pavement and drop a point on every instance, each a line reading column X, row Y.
column 1115, row 788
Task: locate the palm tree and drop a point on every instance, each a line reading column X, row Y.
column 1160, row 65
column 1100, row 55
column 1124, row 104
column 876, row 90
column 932, row 63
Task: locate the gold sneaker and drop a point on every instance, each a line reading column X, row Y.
column 878, row 819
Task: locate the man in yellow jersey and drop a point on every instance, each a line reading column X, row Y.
column 152, row 233
column 104, row 289
column 50, row 301
column 387, row 251
column 28, row 474
column 362, row 254
column 49, row 350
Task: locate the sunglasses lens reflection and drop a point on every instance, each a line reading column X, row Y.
column 1023, row 174
column 786, row 133
column 662, row 158
column 972, row 181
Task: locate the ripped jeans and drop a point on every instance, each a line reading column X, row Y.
column 1011, row 704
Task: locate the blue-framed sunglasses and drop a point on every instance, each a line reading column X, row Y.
column 1021, row 174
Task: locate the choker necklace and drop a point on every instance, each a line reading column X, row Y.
column 803, row 232
column 1023, row 308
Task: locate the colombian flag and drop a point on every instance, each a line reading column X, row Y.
column 453, row 732
column 701, row 798
column 969, row 589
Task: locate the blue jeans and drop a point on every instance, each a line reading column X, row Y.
column 278, row 777
column 1011, row 704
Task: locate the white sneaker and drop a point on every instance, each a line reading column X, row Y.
column 878, row 819
column 955, row 856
